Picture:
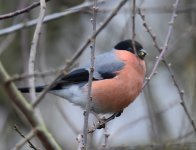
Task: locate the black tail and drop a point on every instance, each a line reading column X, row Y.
column 26, row 89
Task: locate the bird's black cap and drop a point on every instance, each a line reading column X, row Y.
column 128, row 45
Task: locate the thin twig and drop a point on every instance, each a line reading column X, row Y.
column 165, row 47
column 47, row 18
column 79, row 52
column 21, row 11
column 87, row 110
column 33, row 49
column 36, row 74
column 26, row 139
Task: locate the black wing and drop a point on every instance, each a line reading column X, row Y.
column 78, row 76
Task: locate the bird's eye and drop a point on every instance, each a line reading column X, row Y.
column 142, row 53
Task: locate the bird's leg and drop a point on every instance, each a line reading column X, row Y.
column 105, row 120
column 117, row 114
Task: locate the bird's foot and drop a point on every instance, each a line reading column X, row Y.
column 104, row 120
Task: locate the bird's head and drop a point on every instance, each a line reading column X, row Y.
column 128, row 46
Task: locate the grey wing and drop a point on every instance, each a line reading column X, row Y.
column 106, row 66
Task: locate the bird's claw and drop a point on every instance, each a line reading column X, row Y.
column 104, row 120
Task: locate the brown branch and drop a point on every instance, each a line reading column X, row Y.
column 21, row 11
column 26, row 109
column 79, row 52
column 26, row 139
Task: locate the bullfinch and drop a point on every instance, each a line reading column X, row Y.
column 117, row 80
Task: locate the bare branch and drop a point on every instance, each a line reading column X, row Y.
column 33, row 49
column 47, row 18
column 174, row 15
column 87, row 111
column 36, row 74
column 21, row 104
column 26, row 139
column 20, row 11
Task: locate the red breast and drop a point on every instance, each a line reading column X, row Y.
column 113, row 95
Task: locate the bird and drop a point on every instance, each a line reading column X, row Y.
column 118, row 78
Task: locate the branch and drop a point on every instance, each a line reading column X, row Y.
column 21, row 11
column 167, row 39
column 25, row 139
column 47, row 18
column 87, row 111
column 21, row 143
column 26, row 109
column 22, row 76
column 79, row 52
column 33, row 49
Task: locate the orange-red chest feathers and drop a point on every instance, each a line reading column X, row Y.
column 113, row 95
